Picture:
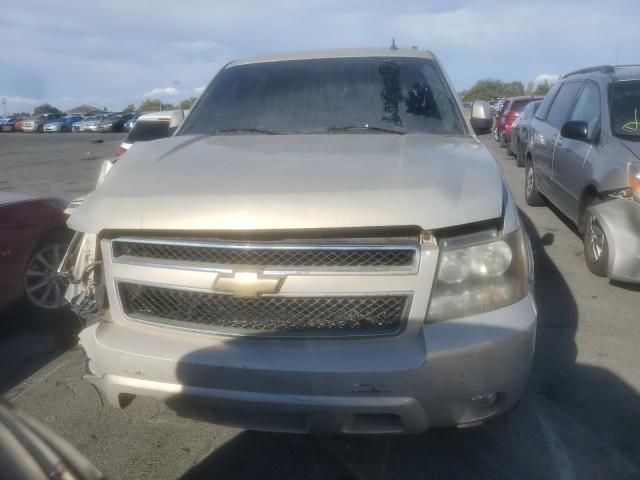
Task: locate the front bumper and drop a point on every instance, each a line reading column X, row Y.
column 620, row 220
column 336, row 386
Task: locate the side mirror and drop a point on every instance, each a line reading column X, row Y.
column 575, row 130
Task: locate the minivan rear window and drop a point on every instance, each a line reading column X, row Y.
column 145, row 131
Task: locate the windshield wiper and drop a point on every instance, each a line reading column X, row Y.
column 347, row 128
column 245, row 130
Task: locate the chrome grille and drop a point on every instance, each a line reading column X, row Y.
column 270, row 254
column 341, row 315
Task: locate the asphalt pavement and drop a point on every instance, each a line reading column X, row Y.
column 579, row 418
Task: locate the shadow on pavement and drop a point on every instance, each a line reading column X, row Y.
column 574, row 421
column 27, row 344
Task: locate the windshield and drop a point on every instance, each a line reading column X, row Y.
column 625, row 109
column 314, row 96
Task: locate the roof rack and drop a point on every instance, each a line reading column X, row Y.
column 600, row 68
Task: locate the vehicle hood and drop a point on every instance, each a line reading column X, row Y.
column 633, row 147
column 54, row 124
column 296, row 182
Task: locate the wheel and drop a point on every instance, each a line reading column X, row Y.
column 509, row 152
column 496, row 137
column 596, row 247
column 503, row 142
column 44, row 289
column 520, row 155
column 531, row 192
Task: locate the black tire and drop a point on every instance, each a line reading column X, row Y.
column 520, row 156
column 510, row 152
column 49, row 296
column 531, row 193
column 496, row 136
column 596, row 246
column 503, row 142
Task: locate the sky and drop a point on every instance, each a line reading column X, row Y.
column 117, row 52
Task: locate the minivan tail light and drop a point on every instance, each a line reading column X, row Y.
column 633, row 168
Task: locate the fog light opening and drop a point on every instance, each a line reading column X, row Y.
column 485, row 400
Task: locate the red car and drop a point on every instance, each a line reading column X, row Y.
column 33, row 240
column 510, row 111
column 18, row 125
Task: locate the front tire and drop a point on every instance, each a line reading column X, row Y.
column 596, row 246
column 531, row 193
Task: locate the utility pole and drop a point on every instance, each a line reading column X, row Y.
column 3, row 100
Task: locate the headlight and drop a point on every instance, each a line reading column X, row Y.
column 477, row 278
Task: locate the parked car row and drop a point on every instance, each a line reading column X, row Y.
column 48, row 123
column 580, row 146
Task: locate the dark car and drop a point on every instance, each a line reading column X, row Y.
column 520, row 129
column 128, row 125
column 584, row 157
column 510, row 111
column 33, row 240
column 114, row 122
column 10, row 125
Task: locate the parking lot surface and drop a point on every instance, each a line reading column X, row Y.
column 579, row 419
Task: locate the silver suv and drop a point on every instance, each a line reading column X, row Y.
column 584, row 157
column 324, row 246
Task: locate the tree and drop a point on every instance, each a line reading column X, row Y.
column 45, row 108
column 489, row 89
column 529, row 89
column 155, row 105
column 542, row 88
column 129, row 108
column 187, row 103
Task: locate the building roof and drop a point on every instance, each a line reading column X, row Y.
column 335, row 53
column 83, row 109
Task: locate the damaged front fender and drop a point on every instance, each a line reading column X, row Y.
column 620, row 220
column 82, row 268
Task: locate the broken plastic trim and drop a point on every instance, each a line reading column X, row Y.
column 82, row 267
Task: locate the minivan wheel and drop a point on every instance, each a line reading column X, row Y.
column 531, row 192
column 496, row 137
column 596, row 247
column 503, row 141
column 520, row 156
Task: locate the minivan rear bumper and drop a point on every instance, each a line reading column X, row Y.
column 337, row 386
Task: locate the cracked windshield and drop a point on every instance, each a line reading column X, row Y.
column 320, row 240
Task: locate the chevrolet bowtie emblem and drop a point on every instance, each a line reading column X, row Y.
column 247, row 284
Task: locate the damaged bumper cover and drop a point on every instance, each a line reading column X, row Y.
column 620, row 219
column 362, row 387
column 86, row 292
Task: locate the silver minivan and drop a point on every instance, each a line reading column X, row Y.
column 584, row 157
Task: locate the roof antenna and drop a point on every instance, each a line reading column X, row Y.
column 393, row 44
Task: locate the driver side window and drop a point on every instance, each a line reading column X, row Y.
column 587, row 109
